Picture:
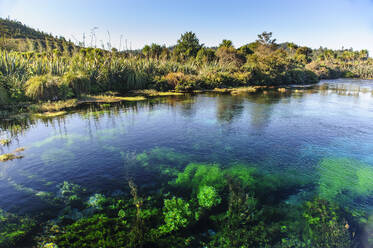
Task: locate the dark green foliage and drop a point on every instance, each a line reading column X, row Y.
column 324, row 227
column 14, row 229
column 96, row 231
column 187, row 46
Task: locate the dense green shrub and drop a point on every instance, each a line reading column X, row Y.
column 47, row 87
column 79, row 82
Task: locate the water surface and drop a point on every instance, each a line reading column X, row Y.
column 299, row 132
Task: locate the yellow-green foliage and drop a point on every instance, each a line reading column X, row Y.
column 344, row 176
column 78, row 81
column 56, row 106
column 46, row 87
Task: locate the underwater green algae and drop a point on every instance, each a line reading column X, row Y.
column 342, row 176
column 57, row 156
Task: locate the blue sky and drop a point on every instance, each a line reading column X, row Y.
column 328, row 23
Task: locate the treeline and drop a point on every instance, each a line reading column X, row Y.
column 52, row 72
column 15, row 36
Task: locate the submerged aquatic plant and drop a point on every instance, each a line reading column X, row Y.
column 208, row 197
column 339, row 177
column 177, row 214
column 96, row 201
column 13, row 228
column 324, row 226
column 196, row 175
column 70, row 192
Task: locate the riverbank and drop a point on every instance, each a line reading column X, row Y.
column 49, row 109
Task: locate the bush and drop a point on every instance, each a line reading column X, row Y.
column 182, row 82
column 301, row 76
column 79, row 82
column 47, row 87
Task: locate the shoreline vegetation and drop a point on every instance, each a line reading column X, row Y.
column 38, row 72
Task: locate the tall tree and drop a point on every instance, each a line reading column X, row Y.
column 188, row 45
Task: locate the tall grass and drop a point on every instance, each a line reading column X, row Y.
column 53, row 76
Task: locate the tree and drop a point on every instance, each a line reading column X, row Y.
column 303, row 54
column 146, row 51
column 188, row 45
column 265, row 38
column 226, row 43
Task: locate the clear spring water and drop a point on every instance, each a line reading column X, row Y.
column 278, row 132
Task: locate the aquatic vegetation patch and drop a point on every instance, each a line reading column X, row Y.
column 150, row 92
column 162, row 159
column 70, row 192
column 9, row 156
column 208, row 197
column 177, row 214
column 54, row 155
column 13, row 229
column 5, row 142
column 196, row 175
column 324, row 226
column 96, row 201
column 342, row 177
column 70, row 139
column 53, row 106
